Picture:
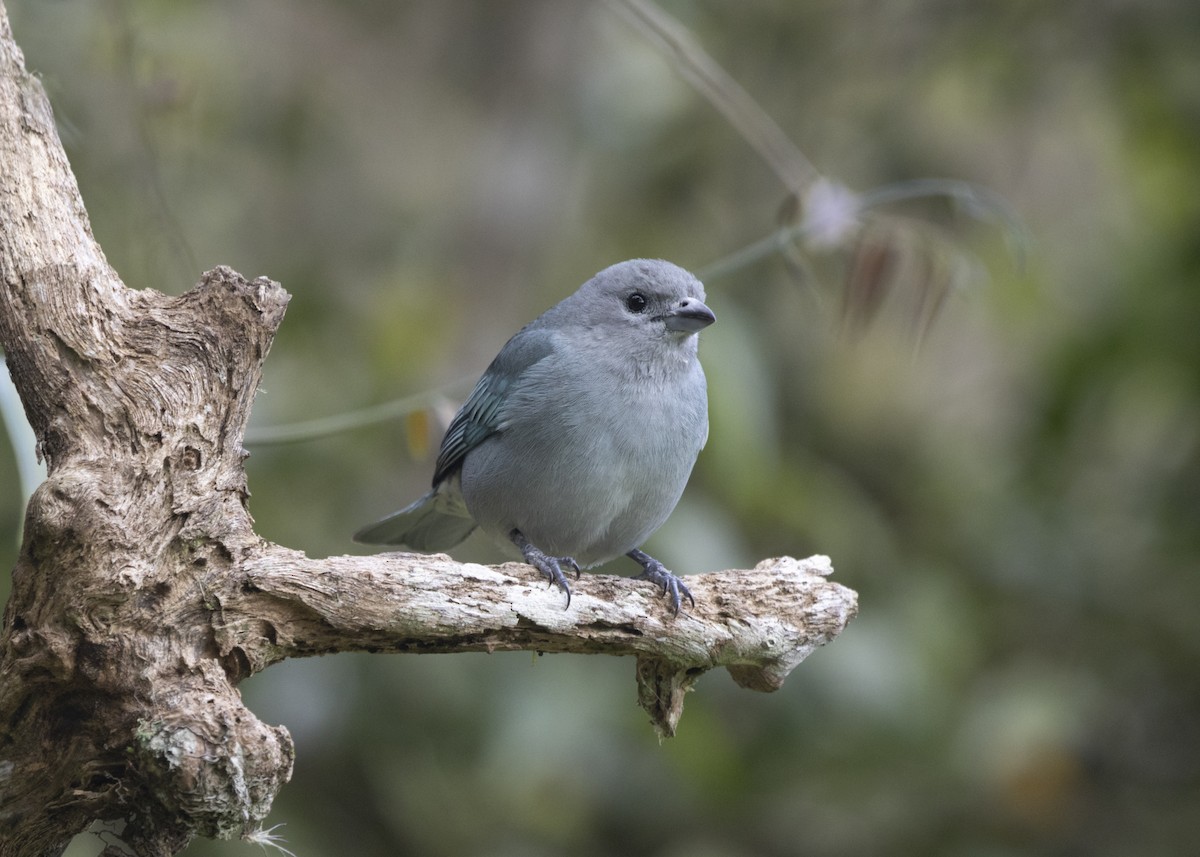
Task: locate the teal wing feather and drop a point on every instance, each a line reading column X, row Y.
column 482, row 415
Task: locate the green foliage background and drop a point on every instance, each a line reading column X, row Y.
column 1016, row 497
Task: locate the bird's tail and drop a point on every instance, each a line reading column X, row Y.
column 436, row 522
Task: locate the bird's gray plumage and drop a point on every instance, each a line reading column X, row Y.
column 577, row 442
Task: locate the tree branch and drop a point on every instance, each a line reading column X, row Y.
column 759, row 623
column 142, row 596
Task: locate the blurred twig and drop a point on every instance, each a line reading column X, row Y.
column 328, row 426
column 820, row 213
column 724, row 93
column 977, row 201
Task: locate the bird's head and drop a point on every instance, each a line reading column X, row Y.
column 645, row 301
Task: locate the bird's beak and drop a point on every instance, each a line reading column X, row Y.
column 690, row 316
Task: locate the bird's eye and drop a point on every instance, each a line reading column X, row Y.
column 636, row 302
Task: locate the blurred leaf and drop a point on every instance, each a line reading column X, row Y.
column 417, row 434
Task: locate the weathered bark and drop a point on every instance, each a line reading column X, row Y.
column 142, row 596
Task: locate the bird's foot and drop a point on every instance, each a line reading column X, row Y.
column 657, row 573
column 551, row 566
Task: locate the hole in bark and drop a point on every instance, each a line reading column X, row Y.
column 236, row 665
column 92, row 659
column 190, row 458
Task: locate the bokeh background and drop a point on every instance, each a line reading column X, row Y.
column 999, row 453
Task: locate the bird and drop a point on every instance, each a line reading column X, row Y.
column 576, row 443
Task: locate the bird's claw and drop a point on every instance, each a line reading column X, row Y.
column 669, row 583
column 551, row 566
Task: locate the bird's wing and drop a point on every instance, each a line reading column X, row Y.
column 482, row 414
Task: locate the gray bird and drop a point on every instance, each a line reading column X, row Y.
column 577, row 442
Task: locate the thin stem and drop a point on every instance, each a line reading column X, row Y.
column 323, row 427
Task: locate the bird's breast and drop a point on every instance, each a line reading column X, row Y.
column 592, row 458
